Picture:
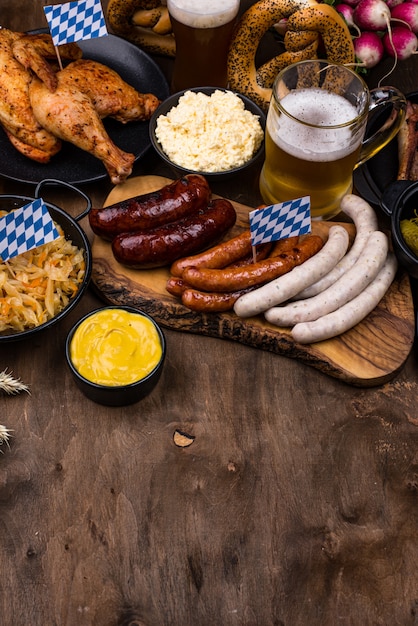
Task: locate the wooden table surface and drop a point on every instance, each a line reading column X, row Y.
column 295, row 505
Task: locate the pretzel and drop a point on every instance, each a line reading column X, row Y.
column 157, row 19
column 308, row 22
column 145, row 23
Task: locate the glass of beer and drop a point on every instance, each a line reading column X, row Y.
column 315, row 131
column 203, row 31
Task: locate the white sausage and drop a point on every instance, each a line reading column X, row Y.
column 282, row 288
column 365, row 221
column 364, row 270
column 351, row 313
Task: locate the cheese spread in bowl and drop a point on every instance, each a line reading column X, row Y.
column 208, row 130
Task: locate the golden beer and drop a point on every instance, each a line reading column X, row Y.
column 310, row 159
column 203, row 34
column 315, row 130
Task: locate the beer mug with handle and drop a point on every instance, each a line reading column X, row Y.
column 315, row 131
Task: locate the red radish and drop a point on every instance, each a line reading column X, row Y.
column 407, row 12
column 281, row 26
column 368, row 48
column 394, row 3
column 347, row 12
column 401, row 44
column 352, row 3
column 372, row 15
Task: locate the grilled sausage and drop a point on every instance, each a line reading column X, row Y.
column 217, row 256
column 262, row 252
column 175, row 285
column 215, row 302
column 161, row 246
column 236, row 278
column 235, row 251
column 174, row 201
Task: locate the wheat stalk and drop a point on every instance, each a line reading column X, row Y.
column 5, row 435
column 11, row 385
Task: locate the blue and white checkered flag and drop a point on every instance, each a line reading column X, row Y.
column 74, row 21
column 26, row 228
column 279, row 221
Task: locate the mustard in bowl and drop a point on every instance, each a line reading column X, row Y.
column 116, row 355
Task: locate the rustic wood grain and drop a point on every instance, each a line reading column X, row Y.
column 295, row 504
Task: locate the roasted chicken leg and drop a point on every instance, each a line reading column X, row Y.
column 37, row 53
column 42, row 105
column 87, row 91
column 70, row 115
column 16, row 114
column 110, row 94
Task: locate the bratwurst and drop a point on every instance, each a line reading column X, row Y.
column 237, row 278
column 161, row 246
column 171, row 203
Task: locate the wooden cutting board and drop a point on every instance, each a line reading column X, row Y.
column 369, row 354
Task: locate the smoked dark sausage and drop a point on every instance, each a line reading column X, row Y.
column 174, row 201
column 161, row 246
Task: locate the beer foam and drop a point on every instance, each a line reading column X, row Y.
column 319, row 142
column 210, row 14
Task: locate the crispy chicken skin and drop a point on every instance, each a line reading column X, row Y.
column 110, row 94
column 85, row 93
column 16, row 114
column 35, row 154
column 70, row 115
column 38, row 54
column 42, row 104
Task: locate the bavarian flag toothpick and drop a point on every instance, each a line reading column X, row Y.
column 279, row 221
column 75, row 21
column 26, row 228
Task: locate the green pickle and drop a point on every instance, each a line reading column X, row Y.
column 409, row 230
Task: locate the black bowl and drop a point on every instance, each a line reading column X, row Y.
column 72, row 232
column 404, row 208
column 172, row 101
column 116, row 395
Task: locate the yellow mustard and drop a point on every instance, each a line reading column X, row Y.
column 115, row 347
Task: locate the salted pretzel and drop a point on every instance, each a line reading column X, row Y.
column 309, row 23
column 145, row 23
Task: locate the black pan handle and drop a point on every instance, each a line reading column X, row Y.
column 53, row 181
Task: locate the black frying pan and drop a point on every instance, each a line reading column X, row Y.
column 72, row 232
